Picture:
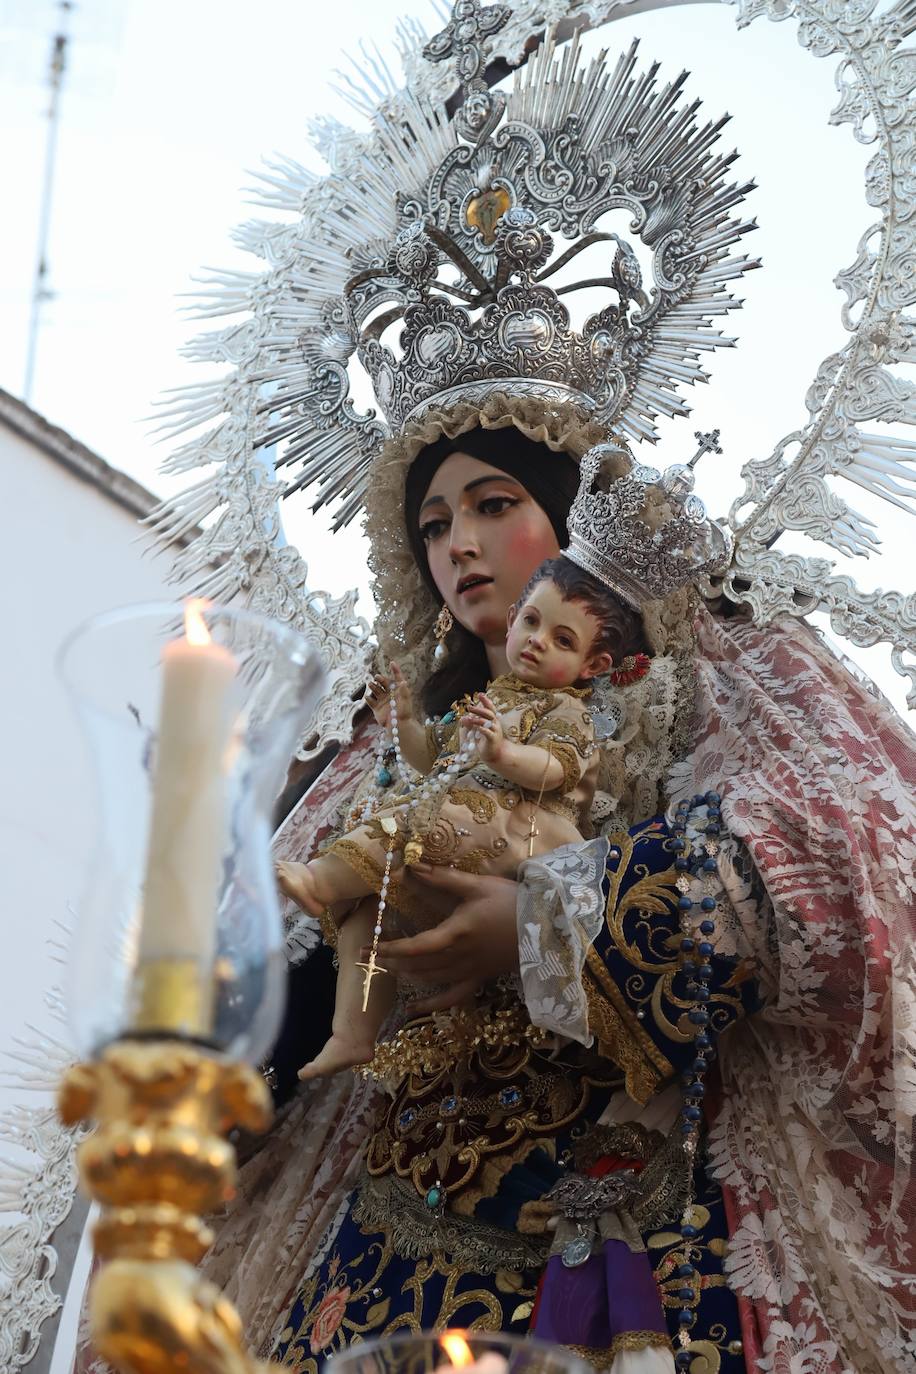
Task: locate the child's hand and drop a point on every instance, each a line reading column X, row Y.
column 379, row 693
column 482, row 717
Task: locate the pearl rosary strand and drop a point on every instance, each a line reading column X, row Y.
column 424, row 796
column 420, row 807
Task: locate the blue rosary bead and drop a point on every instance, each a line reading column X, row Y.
column 689, row 1232
column 709, row 865
column 712, row 829
column 708, row 904
column 685, row 1317
column 699, row 799
column 683, row 1359
column 678, row 844
column 704, row 971
column 704, row 946
column 701, row 994
column 681, row 863
column 685, row 1294
column 699, row 1065
column 712, row 799
column 703, row 1042
column 688, row 1128
column 696, row 1090
column 685, row 903
column 383, row 777
column 688, row 944
column 691, row 1113
column 684, row 1271
column 698, row 1018
column 688, row 966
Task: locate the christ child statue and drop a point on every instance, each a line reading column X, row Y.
column 512, row 774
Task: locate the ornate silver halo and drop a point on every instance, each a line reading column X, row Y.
column 294, row 316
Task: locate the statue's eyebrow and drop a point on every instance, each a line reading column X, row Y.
column 477, row 482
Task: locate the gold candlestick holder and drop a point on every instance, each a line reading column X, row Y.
column 157, row 1162
column 170, row 1001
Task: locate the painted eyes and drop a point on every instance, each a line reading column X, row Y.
column 433, row 529
column 562, row 640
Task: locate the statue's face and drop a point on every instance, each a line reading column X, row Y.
column 484, row 537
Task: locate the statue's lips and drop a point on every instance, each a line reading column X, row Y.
column 468, row 585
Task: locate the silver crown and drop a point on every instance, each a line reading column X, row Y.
column 638, row 558
column 449, row 231
column 522, row 338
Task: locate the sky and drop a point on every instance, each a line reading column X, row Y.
column 168, row 107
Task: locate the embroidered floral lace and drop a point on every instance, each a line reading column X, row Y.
column 560, row 910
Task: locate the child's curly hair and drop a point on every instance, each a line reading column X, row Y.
column 620, row 628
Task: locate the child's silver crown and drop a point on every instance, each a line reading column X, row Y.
column 610, row 538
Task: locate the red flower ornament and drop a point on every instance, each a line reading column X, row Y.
column 630, row 669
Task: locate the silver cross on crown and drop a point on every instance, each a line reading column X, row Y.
column 463, row 38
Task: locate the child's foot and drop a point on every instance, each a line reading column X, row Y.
column 339, row 1053
column 298, row 882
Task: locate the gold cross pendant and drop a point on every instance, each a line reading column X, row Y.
column 371, row 969
column 533, row 833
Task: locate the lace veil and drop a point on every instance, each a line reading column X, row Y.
column 814, row 1137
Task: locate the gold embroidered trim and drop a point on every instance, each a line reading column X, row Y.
column 563, row 729
column 429, row 1046
column 565, row 756
column 328, row 928
column 481, row 806
column 601, row 1356
column 512, row 685
column 645, row 1062
column 615, row 1041
column 353, row 854
column 388, row 1204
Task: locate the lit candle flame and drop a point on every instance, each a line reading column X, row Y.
column 456, row 1348
column 195, row 627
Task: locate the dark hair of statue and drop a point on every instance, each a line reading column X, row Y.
column 551, row 479
column 620, row 629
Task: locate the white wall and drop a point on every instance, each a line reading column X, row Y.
column 67, row 550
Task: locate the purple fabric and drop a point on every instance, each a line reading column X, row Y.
column 596, row 1301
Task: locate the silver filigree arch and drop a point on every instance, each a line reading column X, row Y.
column 854, row 396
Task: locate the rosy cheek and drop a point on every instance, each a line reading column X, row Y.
column 526, row 546
column 559, row 675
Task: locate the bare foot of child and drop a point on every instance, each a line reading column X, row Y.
column 340, row 1052
column 298, row 882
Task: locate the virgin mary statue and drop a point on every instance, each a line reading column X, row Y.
column 651, row 1098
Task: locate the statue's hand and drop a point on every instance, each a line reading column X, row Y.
column 473, row 945
column 483, row 719
column 379, row 694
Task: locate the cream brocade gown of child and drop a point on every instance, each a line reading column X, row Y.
column 483, row 823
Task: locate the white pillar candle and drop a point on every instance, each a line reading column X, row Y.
column 188, row 828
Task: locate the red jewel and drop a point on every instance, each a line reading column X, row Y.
column 631, row 669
